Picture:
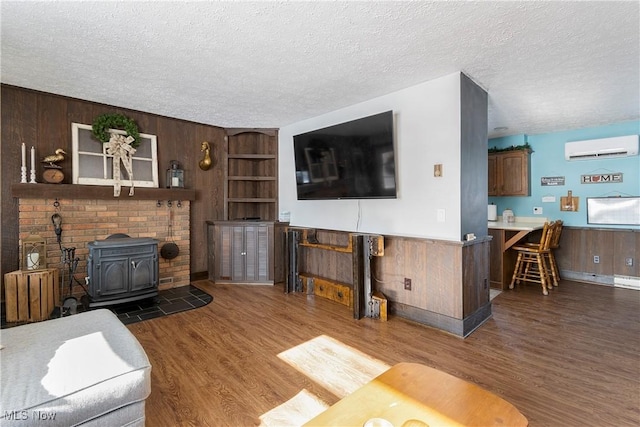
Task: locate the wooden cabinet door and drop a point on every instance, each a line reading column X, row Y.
column 227, row 259
column 515, row 174
column 238, row 254
column 244, row 252
column 493, row 175
column 258, row 242
column 509, row 173
column 222, row 253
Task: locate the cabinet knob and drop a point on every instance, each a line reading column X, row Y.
column 243, row 253
column 133, row 264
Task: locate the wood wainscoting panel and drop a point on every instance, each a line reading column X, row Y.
column 578, row 246
column 626, row 245
column 327, row 263
column 564, row 255
column 444, row 281
column 449, row 280
column 599, row 243
column 475, row 280
column 390, row 271
column 431, row 266
column 411, row 262
column 568, row 258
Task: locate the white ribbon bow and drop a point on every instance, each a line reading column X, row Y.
column 120, row 148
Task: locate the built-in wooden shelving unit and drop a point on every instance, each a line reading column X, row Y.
column 251, row 174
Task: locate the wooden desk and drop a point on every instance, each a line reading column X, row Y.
column 503, row 258
column 412, row 392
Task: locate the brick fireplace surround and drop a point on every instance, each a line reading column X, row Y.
column 86, row 220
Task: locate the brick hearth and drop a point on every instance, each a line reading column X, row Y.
column 86, row 220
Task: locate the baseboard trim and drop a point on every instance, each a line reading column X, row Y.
column 459, row 327
column 587, row 277
column 201, row 275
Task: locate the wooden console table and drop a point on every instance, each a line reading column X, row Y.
column 31, row 296
column 410, row 394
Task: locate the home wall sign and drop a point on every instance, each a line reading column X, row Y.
column 551, row 181
column 607, row 178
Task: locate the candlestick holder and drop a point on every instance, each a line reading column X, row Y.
column 33, row 177
column 23, row 174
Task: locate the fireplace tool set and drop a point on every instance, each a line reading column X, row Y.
column 69, row 266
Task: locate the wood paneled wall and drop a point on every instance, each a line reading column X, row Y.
column 578, row 246
column 450, row 280
column 44, row 121
column 325, row 263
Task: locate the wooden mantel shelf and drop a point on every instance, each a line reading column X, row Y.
column 97, row 192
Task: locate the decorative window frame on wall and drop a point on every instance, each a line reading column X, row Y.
column 93, row 166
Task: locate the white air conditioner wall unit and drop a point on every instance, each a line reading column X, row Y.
column 605, row 148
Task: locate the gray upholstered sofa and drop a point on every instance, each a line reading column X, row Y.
column 87, row 369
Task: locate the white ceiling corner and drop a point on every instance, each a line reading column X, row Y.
column 547, row 66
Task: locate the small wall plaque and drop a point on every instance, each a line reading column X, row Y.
column 569, row 203
column 551, row 181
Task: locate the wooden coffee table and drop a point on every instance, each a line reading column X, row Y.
column 410, row 394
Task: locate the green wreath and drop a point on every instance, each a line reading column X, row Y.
column 103, row 123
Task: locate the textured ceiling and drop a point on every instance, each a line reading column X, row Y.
column 547, row 66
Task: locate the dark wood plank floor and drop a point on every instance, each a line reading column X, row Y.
column 569, row 359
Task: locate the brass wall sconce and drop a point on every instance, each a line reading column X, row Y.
column 206, row 162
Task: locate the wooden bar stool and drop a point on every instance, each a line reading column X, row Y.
column 531, row 264
column 554, row 243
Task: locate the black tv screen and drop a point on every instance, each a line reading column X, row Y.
column 352, row 160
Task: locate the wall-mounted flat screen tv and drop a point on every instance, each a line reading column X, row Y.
column 352, row 160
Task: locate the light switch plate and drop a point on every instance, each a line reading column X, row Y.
column 537, row 210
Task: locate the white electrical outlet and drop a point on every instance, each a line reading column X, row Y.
column 441, row 215
column 537, row 210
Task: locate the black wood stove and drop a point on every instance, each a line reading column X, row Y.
column 122, row 269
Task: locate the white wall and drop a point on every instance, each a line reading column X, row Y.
column 427, row 131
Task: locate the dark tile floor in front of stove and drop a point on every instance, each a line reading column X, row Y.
column 167, row 302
